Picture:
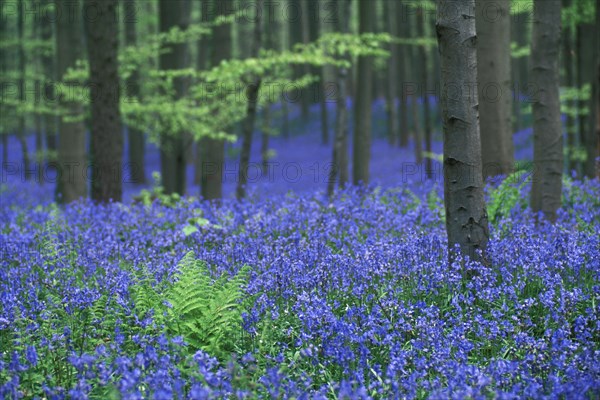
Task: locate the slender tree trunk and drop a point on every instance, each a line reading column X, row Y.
column 214, row 154
column 39, row 149
column 493, row 72
column 3, row 70
column 591, row 137
column 72, row 183
column 402, row 29
column 135, row 136
column 173, row 149
column 248, row 126
column 466, row 216
column 425, row 88
column 363, row 104
column 265, row 132
column 325, row 75
column 571, row 123
column 391, row 87
column 521, row 84
column 339, row 163
column 417, row 131
column 106, row 129
column 305, row 100
column 547, row 132
column 21, row 50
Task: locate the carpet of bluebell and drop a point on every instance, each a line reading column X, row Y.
column 351, row 297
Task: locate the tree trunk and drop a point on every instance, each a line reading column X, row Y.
column 106, row 129
column 392, row 72
column 265, row 132
column 547, row 132
column 22, row 134
column 494, row 86
column 248, row 125
column 363, row 103
column 591, row 136
column 326, row 72
column 173, row 147
column 425, row 88
column 417, row 131
column 305, row 100
column 466, row 217
column 135, row 136
column 570, row 126
column 401, row 28
column 339, row 165
column 72, row 180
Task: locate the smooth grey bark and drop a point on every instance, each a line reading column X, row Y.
column 425, row 92
column 137, row 169
column 22, row 78
column 417, row 131
column 325, row 74
column 494, row 85
column 363, row 103
column 47, row 60
column 252, row 89
column 305, row 100
column 466, row 216
column 106, row 147
column 569, row 81
column 214, row 149
column 591, row 134
column 391, row 87
column 339, row 165
column 547, row 130
column 521, row 69
column 401, row 28
column 3, row 109
column 72, row 184
column 202, row 62
column 173, row 147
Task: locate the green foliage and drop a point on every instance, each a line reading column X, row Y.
column 157, row 193
column 506, row 196
column 206, row 312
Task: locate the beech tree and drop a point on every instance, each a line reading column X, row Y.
column 174, row 13
column 494, row 83
column 339, row 167
column 106, row 129
column 547, row 129
column 363, row 102
column 71, row 140
column 135, row 136
column 252, row 89
column 466, row 216
column 213, row 150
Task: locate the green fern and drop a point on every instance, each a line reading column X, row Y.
column 505, row 197
column 206, row 312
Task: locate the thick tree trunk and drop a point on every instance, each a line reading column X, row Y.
column 72, row 182
column 363, row 104
column 106, row 129
column 547, row 132
column 173, row 147
column 248, row 125
column 466, row 217
column 265, row 133
column 135, row 136
column 591, row 136
column 493, row 74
